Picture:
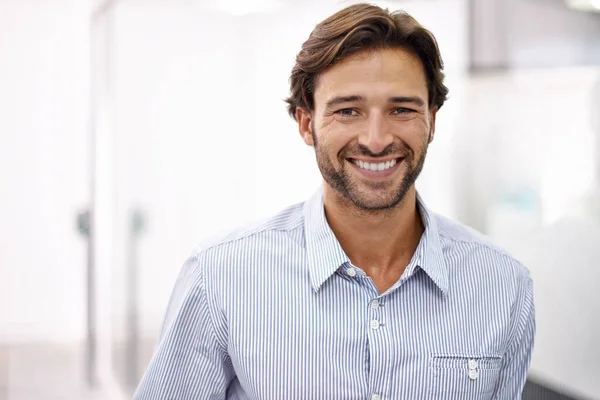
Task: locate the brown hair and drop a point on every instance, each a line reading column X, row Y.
column 360, row 28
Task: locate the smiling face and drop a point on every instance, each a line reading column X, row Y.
column 370, row 127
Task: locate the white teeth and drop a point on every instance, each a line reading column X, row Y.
column 375, row 166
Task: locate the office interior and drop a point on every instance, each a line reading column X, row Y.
column 131, row 130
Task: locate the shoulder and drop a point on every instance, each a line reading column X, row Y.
column 466, row 248
column 282, row 228
column 213, row 263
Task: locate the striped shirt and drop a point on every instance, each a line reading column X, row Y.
column 278, row 311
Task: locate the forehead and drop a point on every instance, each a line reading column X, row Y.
column 385, row 73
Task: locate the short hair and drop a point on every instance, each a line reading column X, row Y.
column 361, row 28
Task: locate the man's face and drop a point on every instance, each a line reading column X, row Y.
column 371, row 127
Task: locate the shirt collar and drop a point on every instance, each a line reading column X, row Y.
column 325, row 254
column 429, row 255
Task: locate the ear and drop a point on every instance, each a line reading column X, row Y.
column 432, row 116
column 304, row 119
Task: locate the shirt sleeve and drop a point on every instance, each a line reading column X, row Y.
column 518, row 357
column 189, row 362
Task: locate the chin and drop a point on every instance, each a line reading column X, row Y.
column 375, row 203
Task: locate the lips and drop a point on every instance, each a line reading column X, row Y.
column 376, row 169
column 375, row 165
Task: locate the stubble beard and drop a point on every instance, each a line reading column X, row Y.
column 380, row 196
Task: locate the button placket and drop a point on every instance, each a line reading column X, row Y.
column 375, row 311
column 375, row 315
column 379, row 338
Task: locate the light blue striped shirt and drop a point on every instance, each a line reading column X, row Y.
column 277, row 311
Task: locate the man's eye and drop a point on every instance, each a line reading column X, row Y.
column 346, row 112
column 402, row 111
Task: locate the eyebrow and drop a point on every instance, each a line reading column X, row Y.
column 408, row 99
column 336, row 101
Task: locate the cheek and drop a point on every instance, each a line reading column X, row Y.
column 330, row 149
column 415, row 134
column 333, row 142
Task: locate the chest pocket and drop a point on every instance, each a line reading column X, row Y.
column 458, row 377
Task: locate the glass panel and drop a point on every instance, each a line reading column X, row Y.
column 181, row 167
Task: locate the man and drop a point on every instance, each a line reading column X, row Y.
column 361, row 292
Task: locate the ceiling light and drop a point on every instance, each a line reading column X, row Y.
column 584, row 5
column 244, row 7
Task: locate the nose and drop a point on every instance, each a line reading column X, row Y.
column 375, row 136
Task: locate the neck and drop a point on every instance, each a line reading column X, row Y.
column 379, row 242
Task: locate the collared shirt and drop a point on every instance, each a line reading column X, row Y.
column 278, row 311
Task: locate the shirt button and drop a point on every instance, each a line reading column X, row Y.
column 473, row 374
column 376, row 397
column 473, row 364
column 351, row 272
column 375, row 304
column 374, row 324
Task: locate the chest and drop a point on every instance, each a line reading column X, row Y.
column 346, row 341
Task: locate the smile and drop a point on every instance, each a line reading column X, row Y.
column 375, row 166
column 376, row 170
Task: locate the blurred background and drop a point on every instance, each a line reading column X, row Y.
column 130, row 130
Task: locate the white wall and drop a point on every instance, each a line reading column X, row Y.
column 562, row 37
column 526, row 130
column 43, row 169
column 178, row 142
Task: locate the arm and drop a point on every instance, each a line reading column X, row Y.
column 518, row 357
column 190, row 362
